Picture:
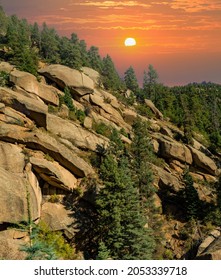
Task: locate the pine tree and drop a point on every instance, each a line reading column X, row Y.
column 3, row 22
column 130, row 80
column 21, row 52
column 94, row 58
column 70, row 54
column 142, row 155
column 49, row 44
column 150, row 82
column 192, row 202
column 121, row 221
column 111, row 79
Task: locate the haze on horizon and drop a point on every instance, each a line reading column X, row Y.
column 180, row 38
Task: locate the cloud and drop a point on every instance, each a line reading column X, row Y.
column 113, row 4
column 196, row 5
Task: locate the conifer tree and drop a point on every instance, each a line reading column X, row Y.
column 94, row 58
column 130, row 80
column 150, row 82
column 142, row 155
column 121, row 221
column 49, row 44
column 111, row 79
column 192, row 202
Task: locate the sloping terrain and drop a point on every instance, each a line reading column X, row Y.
column 46, row 150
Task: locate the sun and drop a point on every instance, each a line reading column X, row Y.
column 130, row 42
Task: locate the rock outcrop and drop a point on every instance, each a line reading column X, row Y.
column 33, row 109
column 153, row 108
column 204, row 162
column 29, row 83
column 210, row 248
column 15, row 201
column 47, row 153
column 172, row 149
column 73, row 132
column 79, row 83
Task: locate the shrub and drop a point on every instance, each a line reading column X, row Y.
column 4, row 79
column 103, row 129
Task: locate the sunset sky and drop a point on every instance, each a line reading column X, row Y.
column 180, row 38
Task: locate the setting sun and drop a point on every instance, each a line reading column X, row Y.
column 129, row 42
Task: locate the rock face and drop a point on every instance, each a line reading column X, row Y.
column 94, row 75
column 14, row 201
column 210, row 248
column 167, row 180
column 49, row 145
column 58, row 218
column 77, row 135
column 204, row 162
column 29, row 83
column 6, row 67
column 33, row 109
column 12, row 159
column 153, row 108
column 172, row 149
column 10, row 246
column 54, row 174
column 46, row 157
column 79, row 83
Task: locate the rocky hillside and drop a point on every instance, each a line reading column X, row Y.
column 46, row 160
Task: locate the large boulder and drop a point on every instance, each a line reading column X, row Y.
column 12, row 159
column 58, row 218
column 79, row 83
column 32, row 108
column 170, row 149
column 17, row 199
column 210, row 248
column 108, row 98
column 10, row 245
column 154, row 109
column 166, row 180
column 73, row 132
column 29, row 83
column 202, row 161
column 129, row 116
column 53, row 173
column 93, row 74
column 44, row 142
column 9, row 115
column 107, row 111
column 6, row 67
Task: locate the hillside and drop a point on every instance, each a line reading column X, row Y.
column 50, row 169
column 95, row 167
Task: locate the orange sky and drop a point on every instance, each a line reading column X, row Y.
column 181, row 38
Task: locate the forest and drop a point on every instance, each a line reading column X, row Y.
column 125, row 223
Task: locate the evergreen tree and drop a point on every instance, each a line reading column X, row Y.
column 70, row 54
column 142, row 155
column 36, row 36
column 21, row 52
column 3, row 22
column 111, row 79
column 121, row 221
column 149, row 83
column 94, row 58
column 49, row 44
column 192, row 202
column 131, row 82
column 84, row 53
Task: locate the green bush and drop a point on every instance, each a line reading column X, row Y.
column 4, row 79
column 80, row 116
column 143, row 110
column 103, row 129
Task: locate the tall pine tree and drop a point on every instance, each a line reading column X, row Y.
column 121, row 222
